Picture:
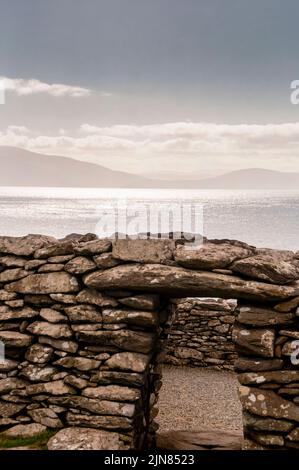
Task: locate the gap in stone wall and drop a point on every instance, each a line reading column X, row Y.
column 198, row 402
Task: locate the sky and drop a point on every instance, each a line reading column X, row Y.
column 168, row 88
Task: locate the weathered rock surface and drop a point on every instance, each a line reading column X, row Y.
column 45, row 284
column 178, row 282
column 55, row 249
column 7, row 365
column 93, row 247
column 294, row 435
column 53, row 388
column 46, row 417
column 290, row 334
column 266, row 424
column 84, row 313
column 63, row 345
column 112, row 393
column 131, row 317
column 267, row 268
column 258, row 364
column 12, row 261
column 13, row 274
column 254, row 342
column 24, row 246
column 37, row 374
column 52, row 316
column 114, row 423
column 279, row 377
column 91, row 296
column 287, row 306
column 119, row 378
column 76, row 438
column 148, row 302
column 290, row 348
column 15, row 339
column 106, row 261
column 25, row 430
column 269, row 440
column 9, row 409
column 143, row 251
column 267, row 403
column 188, row 353
column 6, row 296
column 11, row 383
column 134, row 341
column 54, row 330
column 80, row 265
column 256, row 316
column 76, row 382
column 210, row 255
column 51, row 268
column 102, row 407
column 7, row 313
column 79, row 363
column 64, row 298
column 135, row 362
column 39, row 354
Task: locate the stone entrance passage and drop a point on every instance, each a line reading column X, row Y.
column 198, row 403
column 84, row 323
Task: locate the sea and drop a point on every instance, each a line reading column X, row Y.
column 264, row 218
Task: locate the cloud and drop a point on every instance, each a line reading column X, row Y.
column 32, row 86
column 178, row 146
column 18, row 130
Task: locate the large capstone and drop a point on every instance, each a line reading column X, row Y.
column 180, row 282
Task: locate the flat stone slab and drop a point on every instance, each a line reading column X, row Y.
column 268, row 268
column 143, row 251
column 24, row 246
column 24, row 430
column 200, row 440
column 47, row 283
column 180, row 282
column 211, row 255
column 85, row 439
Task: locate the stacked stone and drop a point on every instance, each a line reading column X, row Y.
column 201, row 333
column 84, row 322
column 75, row 356
column 268, row 371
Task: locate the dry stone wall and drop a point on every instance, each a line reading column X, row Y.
column 201, row 333
column 84, row 323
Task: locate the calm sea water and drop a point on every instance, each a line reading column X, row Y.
column 261, row 218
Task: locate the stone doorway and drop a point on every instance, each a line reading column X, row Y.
column 198, row 401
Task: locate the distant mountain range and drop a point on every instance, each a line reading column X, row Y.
column 21, row 167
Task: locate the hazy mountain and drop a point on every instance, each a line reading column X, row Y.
column 21, row 167
column 252, row 178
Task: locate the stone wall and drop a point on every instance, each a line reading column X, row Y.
column 201, row 333
column 84, row 323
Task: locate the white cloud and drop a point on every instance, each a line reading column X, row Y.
column 172, row 146
column 19, row 130
column 24, row 87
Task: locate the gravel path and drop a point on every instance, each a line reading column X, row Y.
column 194, row 398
